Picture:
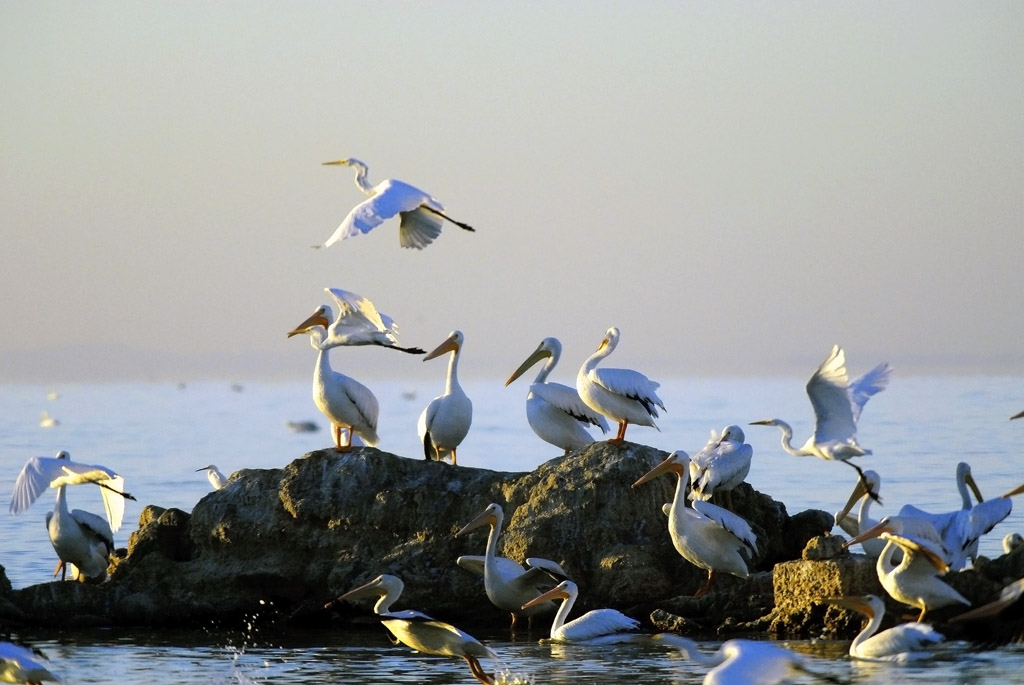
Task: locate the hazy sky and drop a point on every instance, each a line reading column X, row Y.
column 737, row 186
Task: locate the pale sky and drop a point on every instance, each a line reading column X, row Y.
column 736, row 186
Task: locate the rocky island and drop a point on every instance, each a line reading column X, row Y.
column 279, row 543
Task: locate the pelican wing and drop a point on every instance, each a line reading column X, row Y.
column 96, row 524
column 631, row 384
column 935, row 554
column 568, row 400
column 600, row 623
column 829, row 395
column 507, row 568
column 728, row 520
column 901, row 642
column 863, row 387
column 553, row 569
column 983, row 517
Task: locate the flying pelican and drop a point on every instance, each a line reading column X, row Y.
column 555, row 411
column 597, row 627
column 444, row 423
column 904, row 642
column 837, row 406
column 79, row 537
column 722, row 465
column 507, row 584
column 745, row 662
column 417, row 630
column 915, row 580
column 623, row 395
column 213, row 474
column 855, row 525
column 358, row 323
column 21, row 665
column 707, row 535
column 422, row 215
column 348, row 404
column 961, row 529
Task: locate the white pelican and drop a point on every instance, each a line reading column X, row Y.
column 721, row 465
column 358, row 323
column 837, row 406
column 445, row 422
column 419, row 631
column 915, row 580
column 47, row 421
column 422, row 215
column 348, row 404
column 21, row 665
column 855, row 525
column 507, row 584
column 213, row 474
column 623, row 395
column 707, row 535
column 597, row 627
column 555, row 411
column 79, row 537
column 745, row 662
column 961, row 529
column 904, row 642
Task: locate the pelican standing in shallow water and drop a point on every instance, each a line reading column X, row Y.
column 421, row 215
column 745, row 662
column 507, row 584
column 722, row 465
column 213, row 474
column 904, row 642
column 597, row 627
column 837, row 406
column 79, row 537
column 445, row 422
column 555, row 411
column 623, row 395
column 419, row 631
column 706, row 535
column 915, row 579
column 348, row 404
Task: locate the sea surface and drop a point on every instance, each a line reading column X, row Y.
column 157, row 434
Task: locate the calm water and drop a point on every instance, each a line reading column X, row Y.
column 156, row 435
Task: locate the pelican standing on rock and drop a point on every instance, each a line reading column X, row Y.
column 421, row 215
column 79, row 537
column 507, row 584
column 348, row 404
column 837, row 406
column 914, row 580
column 555, row 411
column 445, row 422
column 623, row 395
column 904, row 642
column 722, row 465
column 707, row 535
column 597, row 627
column 419, row 631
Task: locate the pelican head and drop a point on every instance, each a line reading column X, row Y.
column 869, row 605
column 732, row 434
column 453, row 343
column 317, row 318
column 678, row 463
column 873, row 480
column 549, row 347
column 611, row 339
column 490, row 516
column 964, row 475
column 563, row 590
column 886, row 526
column 386, row 586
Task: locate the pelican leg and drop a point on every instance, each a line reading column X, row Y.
column 707, row 586
column 478, row 671
column 924, row 610
column 61, row 568
column 621, row 435
column 453, row 456
column 727, row 497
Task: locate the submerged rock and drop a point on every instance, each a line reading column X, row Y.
column 281, row 542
